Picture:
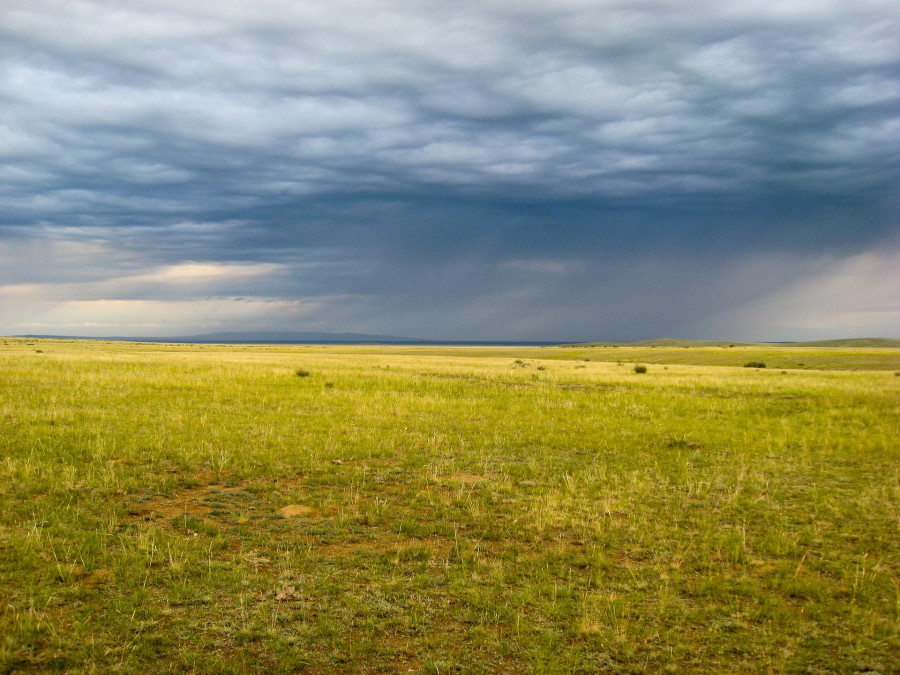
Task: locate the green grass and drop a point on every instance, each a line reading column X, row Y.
column 796, row 357
column 188, row 508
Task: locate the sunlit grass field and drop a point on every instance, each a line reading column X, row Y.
column 241, row 509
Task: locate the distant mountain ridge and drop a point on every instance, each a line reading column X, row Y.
column 257, row 337
column 318, row 337
column 291, row 338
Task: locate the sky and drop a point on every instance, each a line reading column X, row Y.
column 471, row 170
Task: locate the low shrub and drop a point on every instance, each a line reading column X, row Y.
column 302, row 373
column 754, row 364
column 639, row 369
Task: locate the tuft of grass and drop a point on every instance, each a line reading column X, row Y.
column 301, row 372
column 754, row 364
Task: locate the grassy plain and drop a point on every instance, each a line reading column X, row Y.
column 174, row 508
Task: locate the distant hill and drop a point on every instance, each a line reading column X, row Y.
column 852, row 342
column 669, row 342
column 289, row 337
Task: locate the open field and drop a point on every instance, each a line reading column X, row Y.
column 796, row 358
column 174, row 508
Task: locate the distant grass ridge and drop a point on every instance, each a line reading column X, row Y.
column 892, row 343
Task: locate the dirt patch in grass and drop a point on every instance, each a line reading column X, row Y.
column 188, row 502
column 296, row 510
column 197, row 502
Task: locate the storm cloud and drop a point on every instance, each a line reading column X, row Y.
column 472, row 170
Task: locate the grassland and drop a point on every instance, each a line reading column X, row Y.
column 169, row 508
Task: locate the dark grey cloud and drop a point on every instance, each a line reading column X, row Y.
column 566, row 170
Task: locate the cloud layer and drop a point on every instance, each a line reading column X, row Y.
column 483, row 170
